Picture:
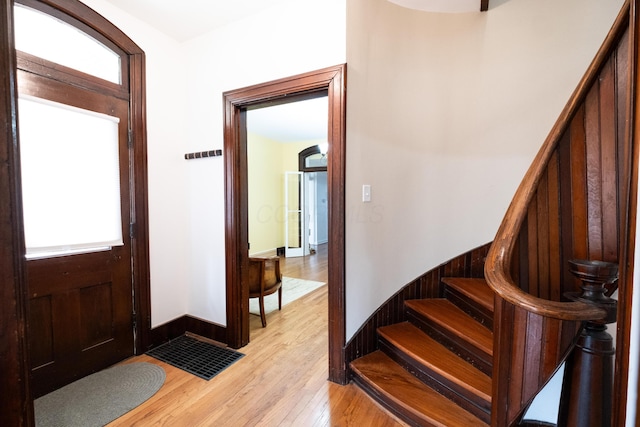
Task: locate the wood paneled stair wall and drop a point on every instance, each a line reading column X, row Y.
column 476, row 349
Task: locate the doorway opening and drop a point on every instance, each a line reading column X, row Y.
column 287, row 199
column 330, row 82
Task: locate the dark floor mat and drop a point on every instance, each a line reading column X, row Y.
column 199, row 358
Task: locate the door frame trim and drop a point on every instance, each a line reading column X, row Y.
column 332, row 82
column 16, row 405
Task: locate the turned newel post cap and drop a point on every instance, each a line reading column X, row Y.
column 601, row 272
column 595, row 275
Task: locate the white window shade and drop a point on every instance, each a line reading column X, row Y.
column 70, row 178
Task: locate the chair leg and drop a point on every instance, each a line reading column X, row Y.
column 280, row 298
column 263, row 317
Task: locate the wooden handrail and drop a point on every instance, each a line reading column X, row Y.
column 500, row 255
column 500, row 281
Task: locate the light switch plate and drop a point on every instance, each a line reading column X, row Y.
column 366, row 193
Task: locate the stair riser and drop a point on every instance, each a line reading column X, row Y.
column 391, row 405
column 461, row 396
column 481, row 314
column 458, row 345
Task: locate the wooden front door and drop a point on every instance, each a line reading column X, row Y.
column 80, row 303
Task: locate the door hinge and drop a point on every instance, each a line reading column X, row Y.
column 134, row 319
column 130, row 136
column 132, row 230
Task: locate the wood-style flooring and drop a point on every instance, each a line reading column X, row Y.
column 281, row 380
column 312, row 267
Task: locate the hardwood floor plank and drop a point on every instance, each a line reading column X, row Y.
column 281, row 381
column 312, row 267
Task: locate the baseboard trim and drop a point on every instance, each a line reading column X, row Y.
column 207, row 329
column 187, row 324
column 268, row 252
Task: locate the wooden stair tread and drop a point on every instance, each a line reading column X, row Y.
column 452, row 319
column 430, row 353
column 401, row 389
column 476, row 289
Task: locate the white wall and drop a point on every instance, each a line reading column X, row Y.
column 185, row 83
column 168, row 231
column 444, row 115
column 633, row 418
column 295, row 37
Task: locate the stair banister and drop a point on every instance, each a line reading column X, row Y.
column 500, row 254
column 544, row 319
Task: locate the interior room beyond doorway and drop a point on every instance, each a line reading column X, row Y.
column 287, row 203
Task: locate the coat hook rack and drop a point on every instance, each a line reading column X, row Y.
column 203, row 154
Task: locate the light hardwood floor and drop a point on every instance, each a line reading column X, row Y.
column 312, row 267
column 281, row 380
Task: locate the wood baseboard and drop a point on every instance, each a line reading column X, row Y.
column 206, row 329
column 181, row 325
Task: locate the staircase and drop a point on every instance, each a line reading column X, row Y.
column 453, row 349
column 435, row 368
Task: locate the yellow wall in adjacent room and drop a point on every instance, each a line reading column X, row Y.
column 266, row 220
column 267, row 161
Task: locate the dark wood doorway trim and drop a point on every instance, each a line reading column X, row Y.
column 332, row 82
column 17, row 408
column 302, row 160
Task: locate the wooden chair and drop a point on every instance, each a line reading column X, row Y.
column 265, row 279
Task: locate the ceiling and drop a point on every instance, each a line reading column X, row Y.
column 186, row 19
column 293, row 122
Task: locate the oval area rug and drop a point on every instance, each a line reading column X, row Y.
column 99, row 398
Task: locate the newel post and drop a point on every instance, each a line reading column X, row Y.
column 587, row 389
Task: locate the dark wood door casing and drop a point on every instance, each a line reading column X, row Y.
column 15, row 405
column 332, row 82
